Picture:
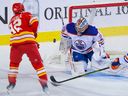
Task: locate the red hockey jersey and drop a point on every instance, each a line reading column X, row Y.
column 23, row 28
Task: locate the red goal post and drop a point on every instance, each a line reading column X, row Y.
column 71, row 8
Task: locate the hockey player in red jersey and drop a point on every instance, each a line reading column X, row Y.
column 23, row 28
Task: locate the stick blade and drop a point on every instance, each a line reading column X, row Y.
column 53, row 79
column 54, row 82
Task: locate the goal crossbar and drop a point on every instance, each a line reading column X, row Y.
column 71, row 8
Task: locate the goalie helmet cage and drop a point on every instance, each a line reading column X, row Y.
column 109, row 18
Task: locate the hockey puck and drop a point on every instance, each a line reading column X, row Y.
column 54, row 40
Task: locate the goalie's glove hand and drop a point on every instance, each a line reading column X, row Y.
column 115, row 64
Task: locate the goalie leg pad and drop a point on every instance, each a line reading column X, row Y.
column 84, row 58
column 80, row 67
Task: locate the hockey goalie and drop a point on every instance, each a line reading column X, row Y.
column 84, row 43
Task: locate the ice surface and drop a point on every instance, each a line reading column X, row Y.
column 98, row 84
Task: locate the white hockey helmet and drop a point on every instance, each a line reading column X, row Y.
column 81, row 25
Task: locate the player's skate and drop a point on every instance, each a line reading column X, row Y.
column 11, row 86
column 45, row 89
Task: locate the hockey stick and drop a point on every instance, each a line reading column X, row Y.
column 55, row 82
column 62, row 20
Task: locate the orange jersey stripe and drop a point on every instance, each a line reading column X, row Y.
column 22, row 33
column 41, row 74
column 33, row 21
column 40, row 69
column 23, row 40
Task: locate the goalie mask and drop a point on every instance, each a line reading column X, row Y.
column 81, row 25
column 17, row 8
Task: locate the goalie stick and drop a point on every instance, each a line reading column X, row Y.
column 55, row 82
